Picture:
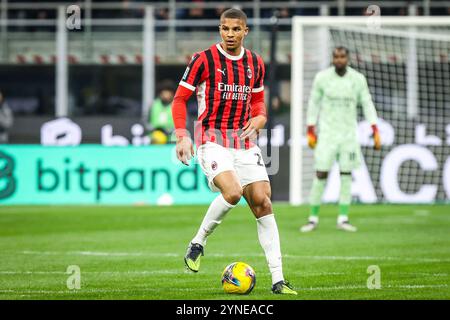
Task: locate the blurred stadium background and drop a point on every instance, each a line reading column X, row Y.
column 84, row 121
column 124, row 59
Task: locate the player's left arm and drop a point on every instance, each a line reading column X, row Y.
column 370, row 113
column 258, row 113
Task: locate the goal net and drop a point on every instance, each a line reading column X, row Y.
column 406, row 61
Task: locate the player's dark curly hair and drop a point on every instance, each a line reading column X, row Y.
column 234, row 13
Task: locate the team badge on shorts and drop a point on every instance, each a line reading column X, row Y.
column 214, row 165
column 249, row 73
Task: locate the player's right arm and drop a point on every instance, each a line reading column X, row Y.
column 191, row 78
column 312, row 113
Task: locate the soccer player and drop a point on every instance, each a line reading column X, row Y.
column 228, row 80
column 336, row 93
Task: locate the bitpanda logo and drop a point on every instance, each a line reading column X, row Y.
column 7, row 180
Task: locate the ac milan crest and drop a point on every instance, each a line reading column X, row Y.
column 249, row 73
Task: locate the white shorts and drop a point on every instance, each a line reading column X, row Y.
column 248, row 164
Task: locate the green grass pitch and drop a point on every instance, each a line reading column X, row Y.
column 137, row 252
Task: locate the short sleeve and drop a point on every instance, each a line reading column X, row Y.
column 194, row 73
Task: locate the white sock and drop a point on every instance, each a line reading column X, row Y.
column 270, row 242
column 214, row 216
column 342, row 218
column 314, row 219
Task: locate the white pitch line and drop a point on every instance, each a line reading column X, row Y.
column 151, row 272
column 82, row 291
column 418, row 286
column 350, row 258
column 184, row 271
column 219, row 255
column 427, row 274
column 97, row 272
column 333, row 288
column 100, row 253
column 318, row 274
column 352, row 287
column 421, row 213
column 32, row 272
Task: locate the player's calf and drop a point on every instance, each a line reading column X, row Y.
column 262, row 207
column 258, row 198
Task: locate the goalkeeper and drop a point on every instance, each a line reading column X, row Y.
column 336, row 93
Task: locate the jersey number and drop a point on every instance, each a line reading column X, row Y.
column 352, row 156
column 259, row 162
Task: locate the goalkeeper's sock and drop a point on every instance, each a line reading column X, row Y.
column 345, row 195
column 214, row 216
column 270, row 242
column 315, row 196
column 314, row 211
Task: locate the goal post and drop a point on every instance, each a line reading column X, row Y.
column 406, row 62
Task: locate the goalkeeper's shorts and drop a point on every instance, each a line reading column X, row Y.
column 348, row 155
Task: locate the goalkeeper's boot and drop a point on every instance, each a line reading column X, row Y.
column 283, row 287
column 311, row 225
column 193, row 255
column 346, row 226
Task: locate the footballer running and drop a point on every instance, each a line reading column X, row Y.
column 336, row 93
column 229, row 84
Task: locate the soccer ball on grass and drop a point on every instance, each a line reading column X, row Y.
column 238, row 278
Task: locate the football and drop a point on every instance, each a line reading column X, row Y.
column 238, row 278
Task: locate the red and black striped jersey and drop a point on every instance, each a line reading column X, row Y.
column 224, row 85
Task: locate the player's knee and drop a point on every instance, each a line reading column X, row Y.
column 232, row 196
column 321, row 175
column 266, row 206
column 263, row 206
